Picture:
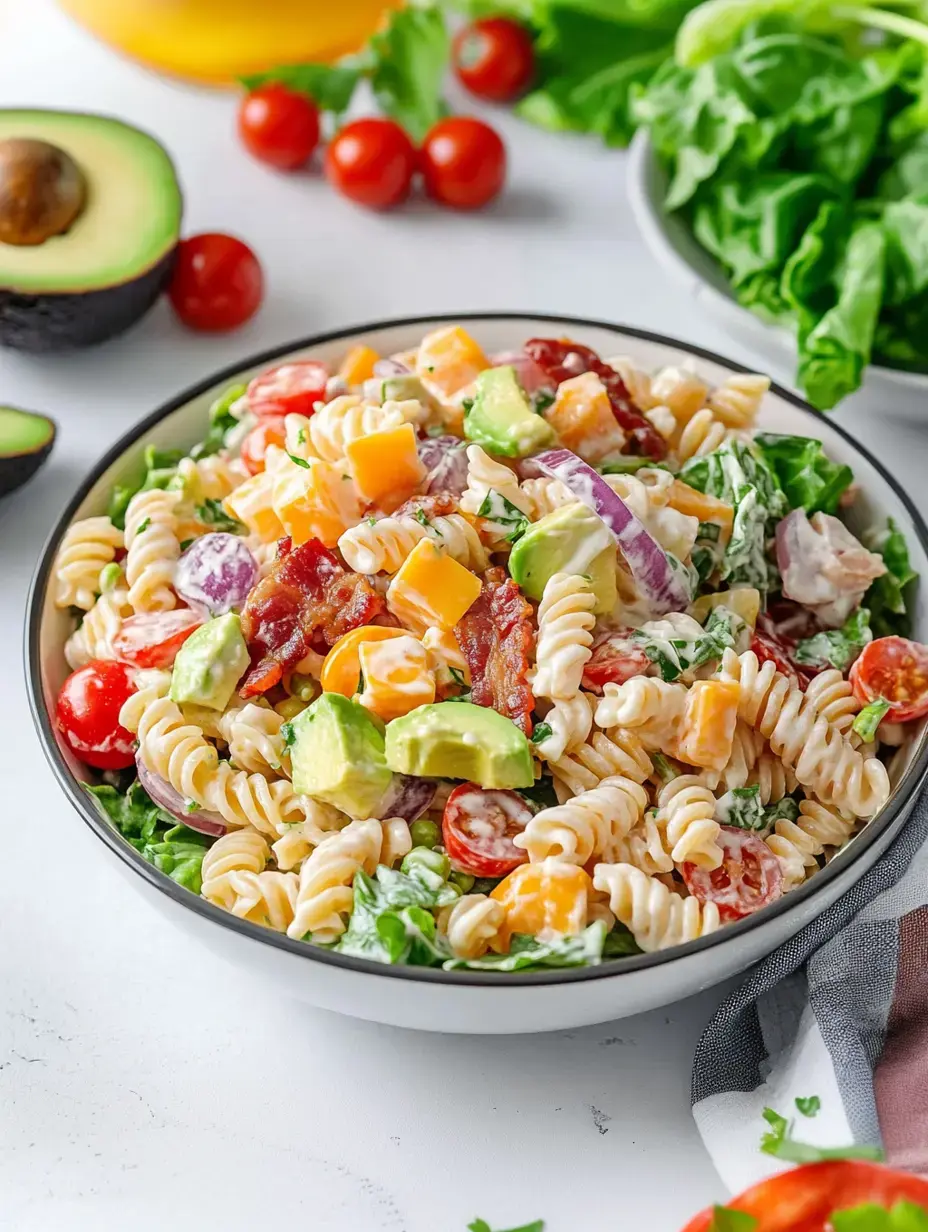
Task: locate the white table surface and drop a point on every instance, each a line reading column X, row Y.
column 142, row 1083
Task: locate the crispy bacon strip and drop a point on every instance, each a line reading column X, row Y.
column 497, row 637
column 562, row 359
column 307, row 598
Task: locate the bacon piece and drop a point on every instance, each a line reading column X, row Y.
column 432, row 504
column 497, row 637
column 614, row 660
column 562, row 359
column 307, row 598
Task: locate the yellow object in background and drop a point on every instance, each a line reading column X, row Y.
column 217, row 40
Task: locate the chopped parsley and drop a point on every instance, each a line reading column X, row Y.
column 211, row 513
column 143, row 525
column 287, row 734
column 299, row 461
column 808, row 1105
column 779, row 1142
column 542, row 732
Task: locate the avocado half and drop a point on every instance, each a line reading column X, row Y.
column 26, row 440
column 90, row 213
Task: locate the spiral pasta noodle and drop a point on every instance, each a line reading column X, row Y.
column 637, row 381
column 589, row 824
column 796, row 844
column 620, row 753
column 471, row 924
column 325, row 895
column 153, row 550
column 656, row 917
column 93, row 639
column 86, row 549
column 544, row 495
column 382, row 546
column 700, row 436
column 686, row 813
column 645, row 848
column 233, row 879
column 565, row 623
column 752, row 764
column 680, row 390
column 483, row 476
column 336, row 424
column 570, row 721
column 210, row 478
column 736, row 402
column 654, row 708
column 252, row 733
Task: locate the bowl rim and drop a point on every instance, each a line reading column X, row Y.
column 651, row 220
column 891, row 818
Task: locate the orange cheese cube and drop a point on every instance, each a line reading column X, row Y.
column 545, row 899
column 396, row 676
column 341, row 670
column 431, row 589
column 448, row 359
column 708, row 726
column 386, row 465
column 252, row 503
column 315, row 501
column 583, row 419
column 358, row 365
column 696, row 504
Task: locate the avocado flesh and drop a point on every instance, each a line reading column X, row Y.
column 113, row 262
column 571, row 539
column 501, row 417
column 458, row 740
column 26, row 440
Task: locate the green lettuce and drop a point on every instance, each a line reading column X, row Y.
column 528, row 953
column 806, row 474
column 868, row 720
column 174, row 849
column 741, row 807
column 159, row 466
column 888, row 597
column 901, row 1217
column 221, row 422
column 837, row 647
column 391, row 921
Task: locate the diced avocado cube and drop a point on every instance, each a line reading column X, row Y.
column 457, row 740
column 337, row 756
column 571, row 539
column 502, row 419
column 211, row 663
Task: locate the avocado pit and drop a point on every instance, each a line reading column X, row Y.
column 42, row 191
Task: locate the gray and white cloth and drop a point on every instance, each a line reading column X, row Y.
column 840, row 1011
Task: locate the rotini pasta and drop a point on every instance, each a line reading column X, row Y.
column 618, row 753
column 484, row 476
column 565, row 621
column 589, row 824
column 93, row 639
column 234, row 879
column 737, row 401
column 686, row 814
column 570, row 722
column 153, row 550
column 797, row 843
column 656, row 917
column 471, row 924
column 382, row 546
column 325, row 895
column 86, row 550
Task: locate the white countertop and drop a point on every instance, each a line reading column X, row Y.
column 143, row 1084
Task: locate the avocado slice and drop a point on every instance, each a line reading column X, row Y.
column 571, row 539
column 90, row 212
column 458, row 740
column 211, row 663
column 337, row 755
column 502, row 419
column 26, row 440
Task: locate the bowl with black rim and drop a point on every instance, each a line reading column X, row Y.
column 464, row 1000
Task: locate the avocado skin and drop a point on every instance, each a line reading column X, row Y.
column 18, row 468
column 49, row 322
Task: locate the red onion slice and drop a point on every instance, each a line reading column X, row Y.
column 164, row 795
column 407, row 797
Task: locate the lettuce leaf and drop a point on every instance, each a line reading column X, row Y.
column 837, row 647
column 409, row 57
column 391, row 921
column 174, row 849
column 530, row 954
column 330, row 86
column 888, row 597
column 221, row 421
column 806, row 474
column 901, row 1217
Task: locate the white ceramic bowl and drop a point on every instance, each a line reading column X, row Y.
column 902, row 394
column 472, row 1002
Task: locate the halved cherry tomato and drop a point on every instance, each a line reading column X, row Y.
column 217, row 282
column 291, row 389
column 895, row 670
column 770, row 647
column 153, row 639
column 614, row 661
column 805, row 1198
column 748, row 878
column 463, row 163
column 372, row 161
column 478, row 827
column 279, row 126
column 494, row 59
column 269, row 431
column 88, row 714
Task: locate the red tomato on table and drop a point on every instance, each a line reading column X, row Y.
column 290, row 389
column 88, row 715
column 748, row 878
column 494, row 59
column 895, row 670
column 371, row 161
column 217, row 282
column 269, row 431
column 463, row 163
column 478, row 827
column 279, row 126
column 153, row 639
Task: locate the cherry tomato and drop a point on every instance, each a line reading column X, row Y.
column 88, row 714
column 217, row 282
column 494, row 59
column 478, row 828
column 747, row 879
column 279, row 126
column 614, row 660
column 270, row 431
column 895, row 670
column 772, row 648
column 463, row 163
column 291, row 389
column 371, row 161
column 153, row 639
column 805, row 1198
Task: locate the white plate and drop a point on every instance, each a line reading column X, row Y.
column 903, row 394
column 462, row 1001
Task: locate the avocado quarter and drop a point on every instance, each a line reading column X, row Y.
column 26, row 440
column 95, row 208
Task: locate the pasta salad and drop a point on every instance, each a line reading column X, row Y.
column 500, row 662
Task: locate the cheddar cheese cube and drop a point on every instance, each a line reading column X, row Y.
column 396, row 676
column 448, row 359
column 315, row 501
column 431, row 589
column 583, row 419
column 341, row 669
column 545, row 899
column 358, row 365
column 252, row 503
column 386, row 465
column 696, row 504
column 708, row 725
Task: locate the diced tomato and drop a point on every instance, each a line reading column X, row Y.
column 614, row 660
column 497, row 635
column 895, row 670
column 269, row 431
column 478, row 828
column 291, row 389
column 775, row 648
column 153, row 639
column 748, row 878
column 88, row 714
column 804, row 1199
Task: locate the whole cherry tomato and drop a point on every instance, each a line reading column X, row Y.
column 270, row 431
column 152, row 639
column 494, row 59
column 279, row 126
column 895, row 670
column 290, row 389
column 88, row 715
column 748, row 878
column 463, row 163
column 217, row 282
column 372, row 161
column 478, row 827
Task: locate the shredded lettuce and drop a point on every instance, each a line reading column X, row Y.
column 741, row 807
column 174, row 849
column 836, row 647
column 888, row 597
column 806, row 474
column 527, row 953
column 221, row 422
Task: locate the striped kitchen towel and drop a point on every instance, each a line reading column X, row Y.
column 841, row 1012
